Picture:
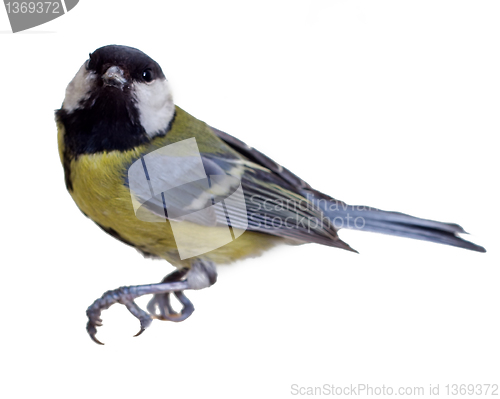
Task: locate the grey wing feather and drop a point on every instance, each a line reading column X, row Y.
column 272, row 198
column 273, row 193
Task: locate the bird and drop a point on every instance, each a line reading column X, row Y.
column 158, row 179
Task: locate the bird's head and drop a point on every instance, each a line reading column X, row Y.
column 118, row 98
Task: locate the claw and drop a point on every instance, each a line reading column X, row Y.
column 143, row 317
column 94, row 322
column 92, row 336
column 92, row 331
column 140, row 332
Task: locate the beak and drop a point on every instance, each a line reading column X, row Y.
column 114, row 77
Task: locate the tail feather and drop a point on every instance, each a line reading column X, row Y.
column 398, row 224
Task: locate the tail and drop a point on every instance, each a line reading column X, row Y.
column 394, row 223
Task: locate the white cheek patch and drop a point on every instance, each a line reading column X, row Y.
column 78, row 89
column 155, row 105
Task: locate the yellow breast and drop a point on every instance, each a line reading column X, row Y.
column 99, row 190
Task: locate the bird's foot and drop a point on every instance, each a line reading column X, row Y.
column 160, row 307
column 202, row 274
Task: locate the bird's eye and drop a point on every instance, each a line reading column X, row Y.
column 148, row 75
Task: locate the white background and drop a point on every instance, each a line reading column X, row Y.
column 393, row 104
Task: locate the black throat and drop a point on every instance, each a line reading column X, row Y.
column 106, row 122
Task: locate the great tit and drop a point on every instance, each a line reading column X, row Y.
column 118, row 112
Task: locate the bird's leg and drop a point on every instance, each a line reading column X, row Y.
column 202, row 274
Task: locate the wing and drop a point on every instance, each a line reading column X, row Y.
column 273, row 197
